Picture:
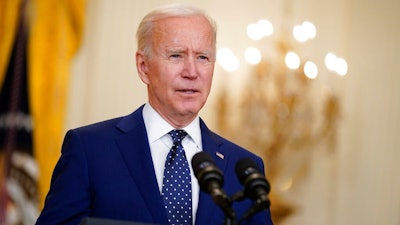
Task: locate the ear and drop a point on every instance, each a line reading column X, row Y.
column 142, row 66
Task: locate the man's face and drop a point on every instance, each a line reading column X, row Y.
column 180, row 68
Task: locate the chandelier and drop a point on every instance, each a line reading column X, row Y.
column 278, row 115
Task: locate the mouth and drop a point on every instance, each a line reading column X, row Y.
column 188, row 91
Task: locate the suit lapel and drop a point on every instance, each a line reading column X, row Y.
column 135, row 151
column 207, row 209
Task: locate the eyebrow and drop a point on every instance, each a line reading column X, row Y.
column 185, row 50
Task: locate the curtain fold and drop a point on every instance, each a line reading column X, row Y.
column 9, row 15
column 56, row 32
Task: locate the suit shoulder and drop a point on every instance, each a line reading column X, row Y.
column 114, row 125
column 233, row 148
column 98, row 127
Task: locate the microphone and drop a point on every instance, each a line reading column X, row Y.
column 211, row 181
column 256, row 186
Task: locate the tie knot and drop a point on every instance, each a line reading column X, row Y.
column 177, row 135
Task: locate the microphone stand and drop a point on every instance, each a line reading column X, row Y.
column 260, row 204
column 230, row 217
column 225, row 204
column 229, row 221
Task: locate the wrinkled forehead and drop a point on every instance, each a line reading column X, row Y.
column 183, row 34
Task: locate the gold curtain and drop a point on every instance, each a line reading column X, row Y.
column 55, row 33
column 9, row 15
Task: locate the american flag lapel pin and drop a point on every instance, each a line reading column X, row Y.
column 220, row 155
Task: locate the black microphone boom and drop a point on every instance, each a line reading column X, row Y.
column 256, row 186
column 211, row 181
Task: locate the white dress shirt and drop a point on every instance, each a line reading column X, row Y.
column 161, row 142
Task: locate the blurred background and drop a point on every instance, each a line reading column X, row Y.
column 312, row 85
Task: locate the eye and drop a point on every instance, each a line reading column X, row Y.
column 203, row 58
column 175, row 56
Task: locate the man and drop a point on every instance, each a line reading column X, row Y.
column 116, row 169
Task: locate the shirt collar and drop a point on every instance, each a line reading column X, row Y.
column 157, row 127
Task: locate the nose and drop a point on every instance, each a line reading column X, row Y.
column 190, row 68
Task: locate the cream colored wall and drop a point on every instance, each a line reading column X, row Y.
column 358, row 184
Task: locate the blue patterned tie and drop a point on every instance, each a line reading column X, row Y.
column 177, row 186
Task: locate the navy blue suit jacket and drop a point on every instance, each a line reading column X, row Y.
column 106, row 171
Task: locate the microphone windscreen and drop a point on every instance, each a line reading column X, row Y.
column 244, row 167
column 198, row 161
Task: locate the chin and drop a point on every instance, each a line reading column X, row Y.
column 191, row 110
column 191, row 107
